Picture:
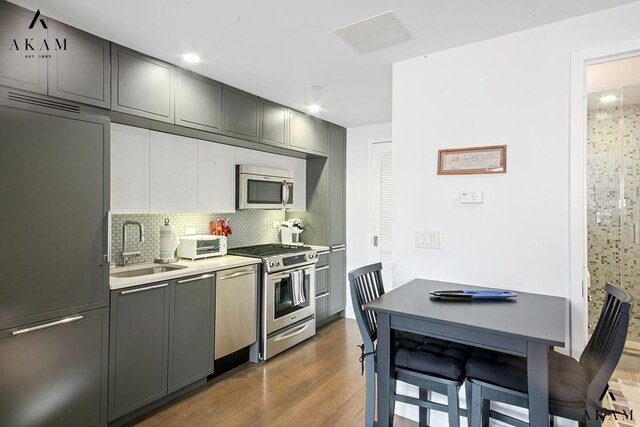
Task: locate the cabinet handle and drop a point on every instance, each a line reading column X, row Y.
column 322, row 268
column 322, row 295
column 193, row 279
column 47, row 325
column 323, row 253
column 109, row 224
column 148, row 288
column 237, row 274
column 291, row 335
column 339, row 249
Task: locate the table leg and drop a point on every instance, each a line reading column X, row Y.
column 385, row 386
column 538, row 377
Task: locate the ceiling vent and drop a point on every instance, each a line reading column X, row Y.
column 374, row 33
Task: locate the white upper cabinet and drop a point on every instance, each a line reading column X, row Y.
column 129, row 169
column 173, row 173
column 155, row 172
column 216, row 178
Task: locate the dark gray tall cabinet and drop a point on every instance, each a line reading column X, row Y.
column 53, row 271
column 325, row 220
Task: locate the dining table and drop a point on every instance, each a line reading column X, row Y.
column 527, row 325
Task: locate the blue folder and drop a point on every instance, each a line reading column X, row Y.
column 473, row 294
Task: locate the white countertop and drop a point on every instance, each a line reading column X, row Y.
column 192, row 268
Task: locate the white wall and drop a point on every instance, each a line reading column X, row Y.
column 359, row 140
column 512, row 90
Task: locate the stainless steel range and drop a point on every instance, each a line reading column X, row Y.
column 288, row 295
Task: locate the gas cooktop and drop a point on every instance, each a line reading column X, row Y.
column 277, row 256
column 262, row 251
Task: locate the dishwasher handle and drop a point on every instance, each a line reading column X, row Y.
column 237, row 274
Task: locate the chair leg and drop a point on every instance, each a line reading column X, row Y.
column 425, row 395
column 475, row 405
column 453, row 404
column 392, row 398
column 467, row 398
column 486, row 406
column 370, row 395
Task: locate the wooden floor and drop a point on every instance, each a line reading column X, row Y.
column 316, row 383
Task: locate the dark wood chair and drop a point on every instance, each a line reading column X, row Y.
column 576, row 389
column 431, row 364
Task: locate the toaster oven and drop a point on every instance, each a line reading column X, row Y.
column 202, row 246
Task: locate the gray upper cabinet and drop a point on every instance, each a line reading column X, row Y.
column 241, row 114
column 21, row 66
column 80, row 71
column 192, row 329
column 274, row 124
column 57, row 60
column 55, row 188
column 319, row 136
column 56, row 375
column 337, row 186
column 299, row 131
column 138, row 350
column 141, row 85
column 198, row 102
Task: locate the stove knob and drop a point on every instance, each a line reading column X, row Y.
column 272, row 264
column 277, row 262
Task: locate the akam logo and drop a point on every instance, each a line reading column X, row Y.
column 42, row 46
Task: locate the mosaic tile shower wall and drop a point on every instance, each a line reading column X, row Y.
column 252, row 227
column 613, row 166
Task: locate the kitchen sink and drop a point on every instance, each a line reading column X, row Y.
column 147, row 270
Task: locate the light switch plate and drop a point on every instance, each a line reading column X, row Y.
column 428, row 239
column 472, row 196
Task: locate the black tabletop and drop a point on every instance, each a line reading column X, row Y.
column 530, row 316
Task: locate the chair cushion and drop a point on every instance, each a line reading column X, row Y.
column 567, row 378
column 431, row 355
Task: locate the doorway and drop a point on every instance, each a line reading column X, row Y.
column 613, row 184
column 381, row 200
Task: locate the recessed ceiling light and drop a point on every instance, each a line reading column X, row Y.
column 191, row 58
column 608, row 98
column 314, row 108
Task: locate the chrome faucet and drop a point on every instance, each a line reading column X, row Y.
column 125, row 254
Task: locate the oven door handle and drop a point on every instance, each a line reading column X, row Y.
column 280, row 276
column 293, row 334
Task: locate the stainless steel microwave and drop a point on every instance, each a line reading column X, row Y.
column 263, row 188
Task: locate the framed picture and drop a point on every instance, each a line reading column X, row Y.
column 473, row 160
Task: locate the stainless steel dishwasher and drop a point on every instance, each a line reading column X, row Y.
column 236, row 309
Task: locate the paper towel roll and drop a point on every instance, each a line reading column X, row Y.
column 168, row 241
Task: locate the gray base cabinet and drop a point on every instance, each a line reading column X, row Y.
column 192, row 331
column 139, row 347
column 337, row 282
column 57, row 375
column 161, row 340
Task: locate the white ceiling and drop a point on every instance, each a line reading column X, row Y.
column 278, row 49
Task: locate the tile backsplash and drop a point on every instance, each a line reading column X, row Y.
column 250, row 227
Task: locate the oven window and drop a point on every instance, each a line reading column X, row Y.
column 284, row 300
